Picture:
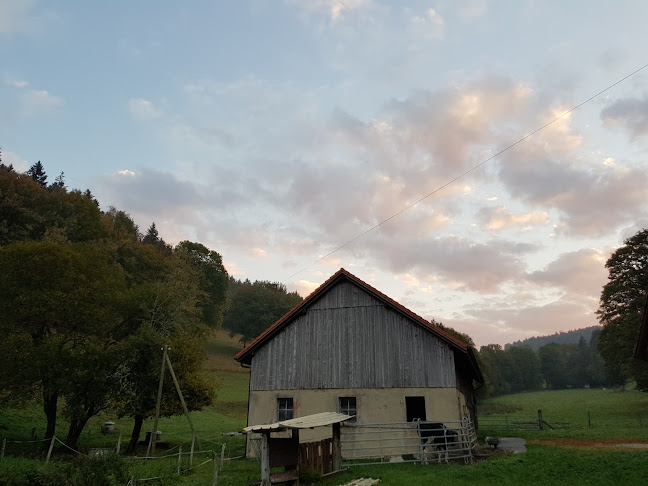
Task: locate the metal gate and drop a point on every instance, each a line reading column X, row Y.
column 415, row 442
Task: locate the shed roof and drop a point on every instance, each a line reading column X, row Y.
column 307, row 422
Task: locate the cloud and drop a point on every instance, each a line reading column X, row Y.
column 20, row 16
column 17, row 83
column 333, row 8
column 580, row 272
column 19, row 164
column 141, row 108
column 232, row 269
column 257, row 253
column 458, row 263
column 498, row 217
column 14, row 15
column 429, row 24
column 408, row 279
column 590, row 202
column 40, row 101
column 630, row 114
column 305, row 288
column 507, row 322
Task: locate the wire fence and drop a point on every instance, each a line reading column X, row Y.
column 183, row 461
column 413, row 442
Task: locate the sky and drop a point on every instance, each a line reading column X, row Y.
column 276, row 131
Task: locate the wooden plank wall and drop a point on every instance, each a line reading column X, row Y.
column 316, row 456
column 349, row 339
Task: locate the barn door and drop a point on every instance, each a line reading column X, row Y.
column 415, row 407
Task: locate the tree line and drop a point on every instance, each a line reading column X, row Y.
column 553, row 366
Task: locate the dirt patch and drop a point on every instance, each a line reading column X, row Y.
column 591, row 443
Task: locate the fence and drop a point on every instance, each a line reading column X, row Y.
column 184, row 463
column 414, row 442
column 508, row 423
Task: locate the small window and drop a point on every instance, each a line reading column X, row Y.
column 348, row 406
column 284, row 409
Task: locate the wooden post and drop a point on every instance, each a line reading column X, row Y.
column 589, row 419
column 215, row 483
column 153, row 436
column 177, row 387
column 337, row 449
column 4, row 444
column 222, row 456
column 540, row 421
column 118, row 444
column 179, row 459
column 193, row 441
column 49, row 452
column 265, row 459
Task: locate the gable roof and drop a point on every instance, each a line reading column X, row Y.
column 245, row 355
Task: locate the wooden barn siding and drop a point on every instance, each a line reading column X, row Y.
column 349, row 339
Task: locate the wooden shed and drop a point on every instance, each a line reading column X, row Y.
column 348, row 347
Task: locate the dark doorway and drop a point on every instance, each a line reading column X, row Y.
column 415, row 408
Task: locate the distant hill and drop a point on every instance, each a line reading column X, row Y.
column 568, row 337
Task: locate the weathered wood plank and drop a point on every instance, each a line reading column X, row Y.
column 349, row 339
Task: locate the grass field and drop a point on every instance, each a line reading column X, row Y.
column 576, row 455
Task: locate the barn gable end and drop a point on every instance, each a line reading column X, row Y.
column 350, row 338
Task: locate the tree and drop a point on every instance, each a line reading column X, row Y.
column 621, row 306
column 60, row 297
column 59, row 182
column 256, row 306
column 37, row 173
column 212, row 280
column 151, row 237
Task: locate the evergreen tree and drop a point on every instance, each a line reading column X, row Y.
column 37, row 173
column 152, row 237
column 59, row 182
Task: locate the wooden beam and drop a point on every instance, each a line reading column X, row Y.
column 265, row 459
column 337, row 448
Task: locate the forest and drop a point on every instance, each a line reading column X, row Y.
column 88, row 302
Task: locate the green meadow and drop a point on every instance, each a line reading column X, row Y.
column 585, row 448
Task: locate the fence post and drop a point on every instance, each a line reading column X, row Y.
column 118, row 444
column 216, row 469
column 49, row 452
column 4, row 444
column 193, row 441
column 589, row 419
column 179, row 459
column 222, row 456
column 540, row 421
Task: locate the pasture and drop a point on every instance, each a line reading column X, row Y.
column 587, row 452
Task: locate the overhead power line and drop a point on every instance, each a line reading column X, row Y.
column 472, row 169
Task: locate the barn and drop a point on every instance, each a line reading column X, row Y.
column 349, row 348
